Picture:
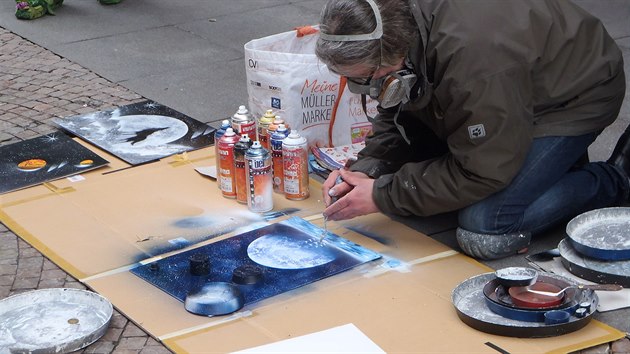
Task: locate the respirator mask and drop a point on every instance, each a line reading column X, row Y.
column 390, row 90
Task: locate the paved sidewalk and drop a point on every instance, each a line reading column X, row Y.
column 37, row 85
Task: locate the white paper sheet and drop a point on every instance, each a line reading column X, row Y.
column 343, row 339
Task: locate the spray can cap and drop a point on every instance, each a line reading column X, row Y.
column 269, row 114
column 294, row 134
column 229, row 132
column 278, row 120
column 281, row 128
column 256, row 145
column 244, row 138
column 225, row 123
column 242, row 110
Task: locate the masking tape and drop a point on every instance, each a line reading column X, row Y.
column 110, row 272
column 404, row 267
column 183, row 159
column 58, row 190
column 235, row 316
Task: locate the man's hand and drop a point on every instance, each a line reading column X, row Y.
column 334, row 188
column 354, row 193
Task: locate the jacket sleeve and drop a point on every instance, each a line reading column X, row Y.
column 488, row 125
column 385, row 150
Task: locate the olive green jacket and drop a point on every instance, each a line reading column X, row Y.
column 498, row 74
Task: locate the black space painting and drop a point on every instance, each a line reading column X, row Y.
column 43, row 159
column 263, row 262
column 140, row 132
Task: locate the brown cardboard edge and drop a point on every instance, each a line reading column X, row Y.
column 41, row 247
column 614, row 334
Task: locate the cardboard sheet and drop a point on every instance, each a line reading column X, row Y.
column 400, row 312
column 131, row 215
column 100, row 227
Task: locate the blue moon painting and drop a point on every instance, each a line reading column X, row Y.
column 263, row 262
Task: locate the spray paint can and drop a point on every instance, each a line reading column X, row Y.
column 276, row 157
column 295, row 161
column 263, row 125
column 217, row 136
column 226, row 163
column 259, row 177
column 240, row 176
column 244, row 123
column 274, row 126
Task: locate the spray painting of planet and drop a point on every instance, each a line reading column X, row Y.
column 43, row 159
column 140, row 132
column 262, row 263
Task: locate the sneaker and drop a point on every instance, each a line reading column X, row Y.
column 487, row 247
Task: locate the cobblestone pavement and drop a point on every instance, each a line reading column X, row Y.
column 35, row 86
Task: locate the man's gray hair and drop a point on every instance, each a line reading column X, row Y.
column 356, row 17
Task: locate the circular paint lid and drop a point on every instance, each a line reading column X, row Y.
column 55, row 320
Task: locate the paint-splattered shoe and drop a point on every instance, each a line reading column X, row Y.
column 484, row 246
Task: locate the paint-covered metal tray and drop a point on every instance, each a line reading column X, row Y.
column 470, row 303
column 602, row 233
column 595, row 270
column 52, row 320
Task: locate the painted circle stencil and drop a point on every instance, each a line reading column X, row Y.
column 285, row 252
column 31, row 164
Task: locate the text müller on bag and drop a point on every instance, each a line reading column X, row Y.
column 285, row 75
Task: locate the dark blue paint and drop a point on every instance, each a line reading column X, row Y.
column 174, row 276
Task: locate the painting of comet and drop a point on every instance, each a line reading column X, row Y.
column 140, row 132
column 42, row 159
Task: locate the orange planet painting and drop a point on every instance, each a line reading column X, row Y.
column 44, row 159
column 31, row 164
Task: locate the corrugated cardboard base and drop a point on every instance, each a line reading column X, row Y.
column 99, row 228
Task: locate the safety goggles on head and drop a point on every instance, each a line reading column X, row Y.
column 376, row 34
column 390, row 90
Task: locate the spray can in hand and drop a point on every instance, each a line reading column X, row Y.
column 244, row 123
column 259, row 178
column 226, row 163
column 276, row 157
column 263, row 126
column 240, row 176
column 217, row 136
column 295, row 161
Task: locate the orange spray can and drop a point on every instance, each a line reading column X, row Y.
column 240, row 148
column 217, row 136
column 226, row 163
column 295, row 161
column 263, row 126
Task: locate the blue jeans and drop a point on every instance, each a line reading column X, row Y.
column 548, row 190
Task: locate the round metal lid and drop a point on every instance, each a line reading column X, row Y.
column 602, row 233
column 53, row 320
column 598, row 271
